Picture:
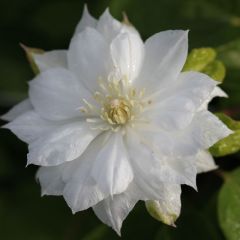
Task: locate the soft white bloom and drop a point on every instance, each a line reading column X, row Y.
column 113, row 120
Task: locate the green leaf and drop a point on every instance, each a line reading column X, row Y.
column 230, row 144
column 229, row 205
column 232, row 124
column 199, row 58
column 215, row 70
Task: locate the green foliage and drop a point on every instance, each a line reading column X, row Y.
column 203, row 60
column 229, row 205
column 230, row 144
column 216, row 70
column 229, row 54
column 199, row 58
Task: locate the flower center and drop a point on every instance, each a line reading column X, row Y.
column 117, row 103
column 118, row 111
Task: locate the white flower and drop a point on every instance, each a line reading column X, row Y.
column 113, row 120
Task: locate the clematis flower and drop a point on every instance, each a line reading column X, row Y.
column 113, row 120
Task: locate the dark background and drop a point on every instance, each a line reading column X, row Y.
column 50, row 25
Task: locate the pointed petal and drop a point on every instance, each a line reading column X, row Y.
column 30, row 126
column 217, row 92
column 113, row 210
column 57, row 95
column 204, row 130
column 50, row 179
column 168, row 209
column 86, row 21
column 109, row 27
column 112, row 170
column 174, row 108
column 127, row 52
column 205, row 162
column 81, row 190
column 149, row 163
column 64, row 144
column 165, row 55
column 17, row 110
column 89, row 58
column 51, row 59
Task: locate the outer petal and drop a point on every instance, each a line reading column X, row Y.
column 81, row 190
column 89, row 58
column 113, row 210
column 112, row 170
column 51, row 59
column 110, row 27
column 175, row 107
column 64, row 144
column 50, row 179
column 168, row 209
column 17, row 110
column 205, row 162
column 217, row 92
column 204, row 130
column 165, row 55
column 86, row 21
column 149, row 163
column 57, row 95
column 30, row 126
column 127, row 52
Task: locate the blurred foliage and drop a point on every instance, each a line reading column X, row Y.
column 49, row 25
column 204, row 60
column 228, row 205
column 199, row 58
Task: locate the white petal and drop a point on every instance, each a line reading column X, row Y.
column 205, row 162
column 89, row 58
column 50, row 179
column 168, row 209
column 86, row 21
column 57, row 95
column 127, row 52
column 175, row 107
column 17, row 110
column 113, row 210
column 165, row 55
column 64, row 144
column 217, row 92
column 51, row 59
column 30, row 126
column 204, row 130
column 112, row 170
column 81, row 190
column 152, row 169
column 173, row 114
column 108, row 26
